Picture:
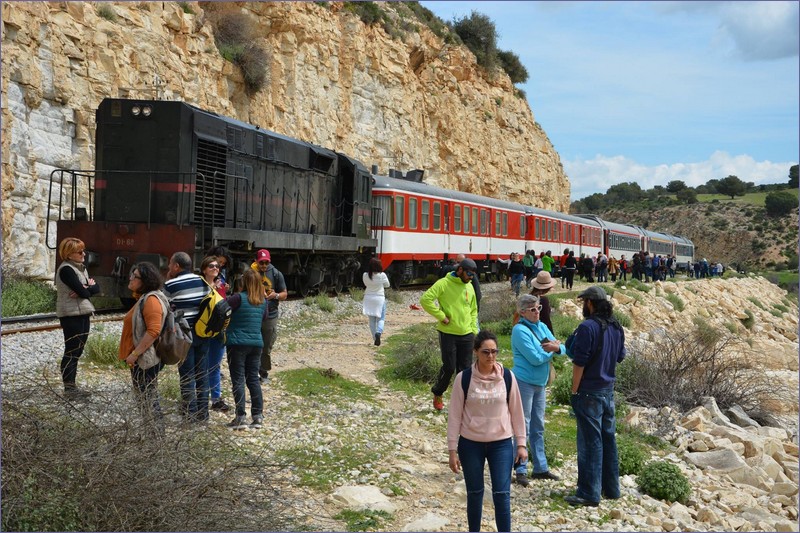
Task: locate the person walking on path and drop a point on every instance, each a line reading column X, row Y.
column 570, row 266
column 598, row 345
column 185, row 291
column 275, row 291
column 533, row 346
column 244, row 343
column 483, row 423
column 74, row 287
column 456, row 320
column 374, row 304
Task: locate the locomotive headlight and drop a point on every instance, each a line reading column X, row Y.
column 146, row 110
column 135, row 110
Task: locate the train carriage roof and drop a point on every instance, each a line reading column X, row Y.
column 385, row 182
column 657, row 235
column 613, row 226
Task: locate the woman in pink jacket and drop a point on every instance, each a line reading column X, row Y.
column 480, row 427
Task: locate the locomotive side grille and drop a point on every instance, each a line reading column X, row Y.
column 209, row 203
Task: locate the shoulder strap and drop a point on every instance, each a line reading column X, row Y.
column 533, row 332
column 466, row 377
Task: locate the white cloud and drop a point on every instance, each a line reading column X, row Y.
column 754, row 30
column 589, row 176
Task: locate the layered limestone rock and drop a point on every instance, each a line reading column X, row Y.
column 406, row 103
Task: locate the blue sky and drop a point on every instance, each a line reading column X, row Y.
column 650, row 92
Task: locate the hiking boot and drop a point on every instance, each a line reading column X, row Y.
column 521, row 479
column 377, row 339
column 74, row 393
column 576, row 501
column 438, row 403
column 258, row 422
column 545, row 475
column 220, row 406
column 238, row 423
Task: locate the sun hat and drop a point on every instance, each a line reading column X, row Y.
column 543, row 280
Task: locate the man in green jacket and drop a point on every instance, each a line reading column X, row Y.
column 457, row 322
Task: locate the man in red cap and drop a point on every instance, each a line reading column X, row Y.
column 275, row 290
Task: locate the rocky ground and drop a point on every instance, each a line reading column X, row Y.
column 389, row 453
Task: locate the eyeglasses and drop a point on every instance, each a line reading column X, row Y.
column 134, row 276
column 263, row 263
column 487, row 351
column 213, row 265
column 535, row 309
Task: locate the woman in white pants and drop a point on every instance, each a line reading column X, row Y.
column 374, row 299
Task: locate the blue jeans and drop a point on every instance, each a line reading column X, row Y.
column 376, row 322
column 500, row 455
column 533, row 404
column 243, row 363
column 516, row 282
column 216, row 350
column 598, row 466
column 193, row 373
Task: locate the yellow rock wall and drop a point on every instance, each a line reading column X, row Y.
column 398, row 103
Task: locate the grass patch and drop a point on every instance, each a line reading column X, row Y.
column 327, row 385
column 676, row 301
column 394, row 296
column 102, row 348
column 749, row 321
column 24, row 296
column 107, row 12
column 755, row 301
column 363, row 520
column 639, row 286
column 357, row 294
column 623, row 318
column 328, row 466
column 560, row 435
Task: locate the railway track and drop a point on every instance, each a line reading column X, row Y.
column 49, row 321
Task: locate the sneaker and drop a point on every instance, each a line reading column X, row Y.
column 258, row 421
column 521, row 479
column 438, row 403
column 377, row 339
column 264, row 377
column 545, row 475
column 220, row 406
column 238, row 423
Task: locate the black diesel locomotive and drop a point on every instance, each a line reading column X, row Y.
column 170, row 176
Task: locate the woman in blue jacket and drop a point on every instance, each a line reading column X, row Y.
column 533, row 346
column 244, row 343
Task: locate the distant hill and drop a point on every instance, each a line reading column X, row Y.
column 732, row 231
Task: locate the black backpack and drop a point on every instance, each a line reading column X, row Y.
column 466, row 377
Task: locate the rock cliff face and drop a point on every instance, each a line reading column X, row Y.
column 403, row 103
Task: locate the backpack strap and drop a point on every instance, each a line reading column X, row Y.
column 466, row 377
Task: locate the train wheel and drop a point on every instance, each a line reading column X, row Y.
column 395, row 281
column 338, row 287
column 302, row 287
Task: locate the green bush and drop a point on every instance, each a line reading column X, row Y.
column 107, row 12
column 750, row 321
column 414, row 354
column 676, row 301
column 24, row 296
column 103, row 348
column 509, row 61
column 780, row 203
column 236, row 36
column 664, row 481
column 479, row 34
column 324, row 302
column 632, row 456
column 561, row 389
column 623, row 318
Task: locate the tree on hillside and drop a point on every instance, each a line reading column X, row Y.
column 594, row 202
column 626, row 192
column 780, row 203
column 479, row 34
column 686, row 196
column 675, row 186
column 509, row 61
column 793, row 180
column 731, row 186
column 710, row 187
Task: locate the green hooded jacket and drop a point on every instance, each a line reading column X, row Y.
column 456, row 302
